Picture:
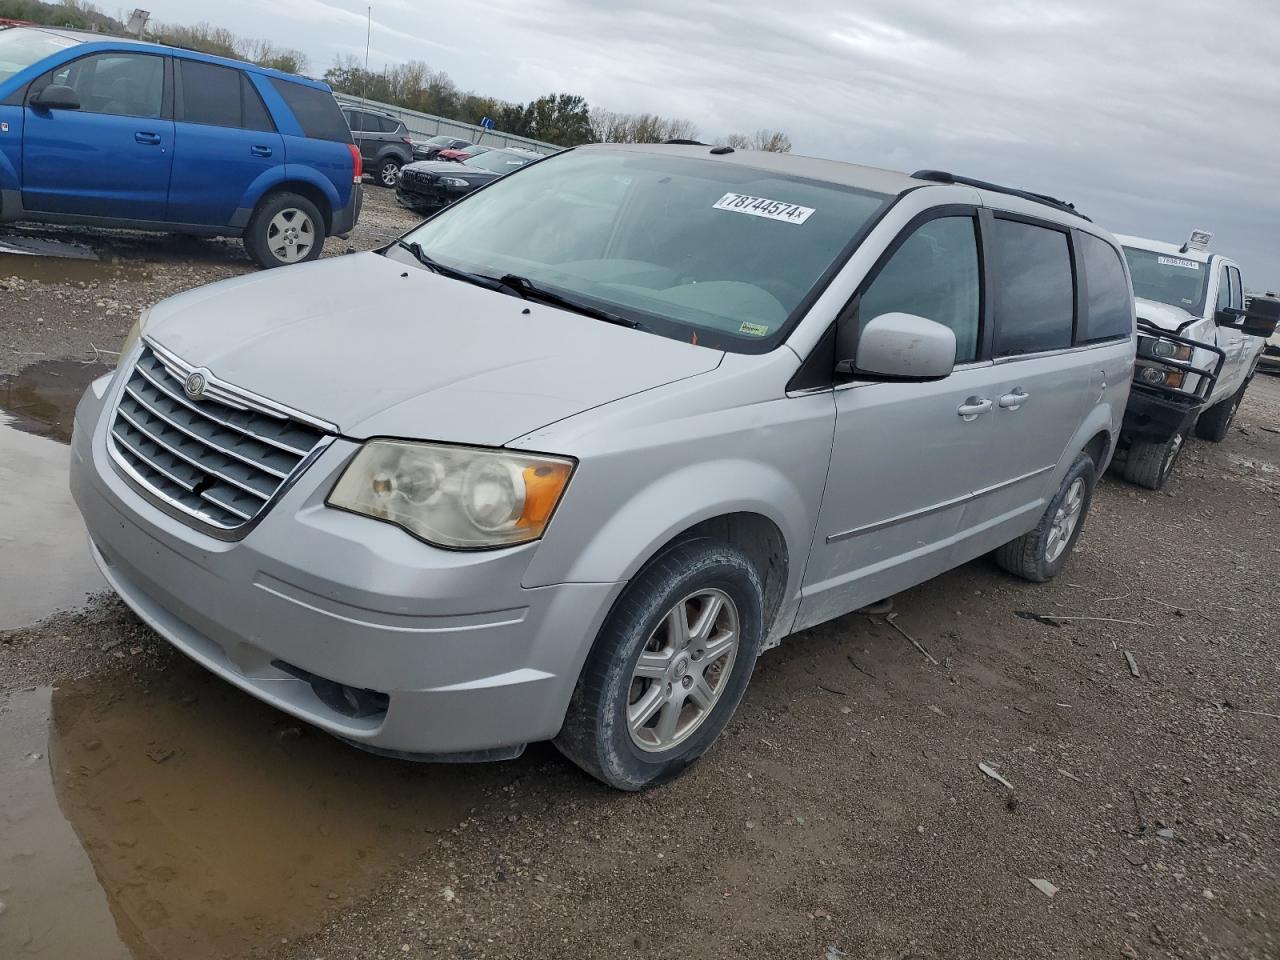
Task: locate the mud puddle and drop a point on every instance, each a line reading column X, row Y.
column 42, row 398
column 179, row 819
column 124, row 256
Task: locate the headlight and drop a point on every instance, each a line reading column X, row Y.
column 452, row 181
column 1164, row 349
column 1158, row 376
column 133, row 336
column 458, row 497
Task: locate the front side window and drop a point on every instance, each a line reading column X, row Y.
column 1237, row 294
column 1224, row 289
column 1033, row 290
column 720, row 253
column 21, row 48
column 1109, row 312
column 119, row 84
column 934, row 274
column 1168, row 278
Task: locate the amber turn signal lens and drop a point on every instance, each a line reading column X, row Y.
column 543, row 485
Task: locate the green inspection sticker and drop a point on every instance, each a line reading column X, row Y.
column 755, row 329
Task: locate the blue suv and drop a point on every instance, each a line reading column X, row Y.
column 120, row 133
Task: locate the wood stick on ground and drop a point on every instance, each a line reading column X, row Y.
column 1133, row 664
column 914, row 642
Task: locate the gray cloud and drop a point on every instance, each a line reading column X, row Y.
column 1153, row 117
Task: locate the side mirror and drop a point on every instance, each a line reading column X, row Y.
column 902, row 346
column 56, row 96
column 1260, row 316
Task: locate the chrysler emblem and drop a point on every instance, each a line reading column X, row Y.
column 194, row 385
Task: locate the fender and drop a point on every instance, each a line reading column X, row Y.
column 1102, row 418
column 266, row 181
column 298, row 173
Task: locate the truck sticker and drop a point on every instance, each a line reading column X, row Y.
column 763, row 207
column 755, row 329
column 1178, row 262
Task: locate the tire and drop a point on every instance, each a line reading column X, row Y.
column 1040, row 555
column 267, row 239
column 598, row 735
column 1150, row 463
column 1215, row 423
column 385, row 176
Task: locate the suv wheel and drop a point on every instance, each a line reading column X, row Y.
column 286, row 228
column 387, row 171
column 1215, row 423
column 1149, row 462
column 1039, row 555
column 668, row 668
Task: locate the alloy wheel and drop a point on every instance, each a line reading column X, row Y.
column 1065, row 520
column 290, row 235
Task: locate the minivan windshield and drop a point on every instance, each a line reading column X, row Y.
column 715, row 252
column 1169, row 278
column 20, row 48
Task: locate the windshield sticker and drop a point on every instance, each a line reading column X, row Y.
column 755, row 329
column 763, row 207
column 1178, row 262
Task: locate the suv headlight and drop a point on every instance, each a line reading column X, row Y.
column 464, row 498
column 133, row 336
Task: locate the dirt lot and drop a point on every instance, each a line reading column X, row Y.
column 148, row 809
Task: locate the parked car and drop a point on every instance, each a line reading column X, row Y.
column 430, row 149
column 118, row 133
column 383, row 140
column 1196, row 353
column 465, row 153
column 1270, row 359
column 667, row 406
column 428, row 185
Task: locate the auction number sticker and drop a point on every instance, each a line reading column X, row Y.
column 764, row 207
column 1178, row 262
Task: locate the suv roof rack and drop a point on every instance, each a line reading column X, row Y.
column 941, row 176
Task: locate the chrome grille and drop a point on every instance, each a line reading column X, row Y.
column 220, row 458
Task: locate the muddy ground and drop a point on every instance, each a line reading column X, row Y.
column 147, row 809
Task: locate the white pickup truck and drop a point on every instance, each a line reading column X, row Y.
column 1198, row 348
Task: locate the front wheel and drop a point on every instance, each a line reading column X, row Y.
column 1150, row 462
column 1215, row 423
column 388, row 171
column 1039, row 555
column 286, row 228
column 669, row 667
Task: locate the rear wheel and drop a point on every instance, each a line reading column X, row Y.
column 1150, row 462
column 387, row 171
column 1039, row 555
column 1215, row 423
column 285, row 228
column 669, row 667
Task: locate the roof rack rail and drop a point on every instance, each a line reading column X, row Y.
column 941, row 176
column 684, row 142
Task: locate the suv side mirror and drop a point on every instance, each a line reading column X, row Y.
column 56, row 96
column 903, row 346
column 1257, row 319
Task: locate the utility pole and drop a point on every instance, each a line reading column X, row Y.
column 368, row 40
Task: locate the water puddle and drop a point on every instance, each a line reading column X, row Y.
column 42, row 398
column 43, row 247
column 179, row 819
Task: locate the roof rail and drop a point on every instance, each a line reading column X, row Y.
column 684, row 142
column 941, row 176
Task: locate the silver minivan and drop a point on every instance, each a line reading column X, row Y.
column 565, row 459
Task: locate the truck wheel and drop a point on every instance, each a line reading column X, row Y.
column 1039, row 555
column 1150, row 462
column 387, row 171
column 285, row 228
column 669, row 667
column 1215, row 423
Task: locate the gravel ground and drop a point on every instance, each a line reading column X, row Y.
column 844, row 813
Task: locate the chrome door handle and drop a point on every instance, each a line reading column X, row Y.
column 1012, row 401
column 973, row 408
column 147, row 138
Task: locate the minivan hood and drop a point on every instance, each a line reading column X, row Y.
column 1163, row 315
column 381, row 348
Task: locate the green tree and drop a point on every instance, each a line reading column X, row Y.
column 560, row 118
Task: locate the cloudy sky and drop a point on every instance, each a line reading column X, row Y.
column 1152, row 117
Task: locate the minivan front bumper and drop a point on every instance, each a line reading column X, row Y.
column 344, row 622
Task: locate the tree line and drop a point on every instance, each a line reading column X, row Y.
column 564, row 119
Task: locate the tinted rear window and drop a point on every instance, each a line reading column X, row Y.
column 316, row 111
column 1034, row 295
column 255, row 111
column 210, row 94
column 1110, row 299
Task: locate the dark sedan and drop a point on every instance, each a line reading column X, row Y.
column 428, row 185
column 430, row 149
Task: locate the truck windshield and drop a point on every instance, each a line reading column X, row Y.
column 1169, row 278
column 20, row 48
column 719, row 253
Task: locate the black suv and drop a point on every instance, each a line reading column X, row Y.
column 430, row 149
column 383, row 141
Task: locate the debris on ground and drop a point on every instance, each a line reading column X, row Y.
column 1133, row 664
column 994, row 775
column 1044, row 886
column 890, row 620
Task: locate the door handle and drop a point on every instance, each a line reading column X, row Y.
column 973, row 408
column 1012, row 401
column 150, row 139
column 260, row 151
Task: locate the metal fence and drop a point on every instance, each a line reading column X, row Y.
column 425, row 125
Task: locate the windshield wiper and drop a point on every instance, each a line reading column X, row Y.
column 435, row 266
column 526, row 288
